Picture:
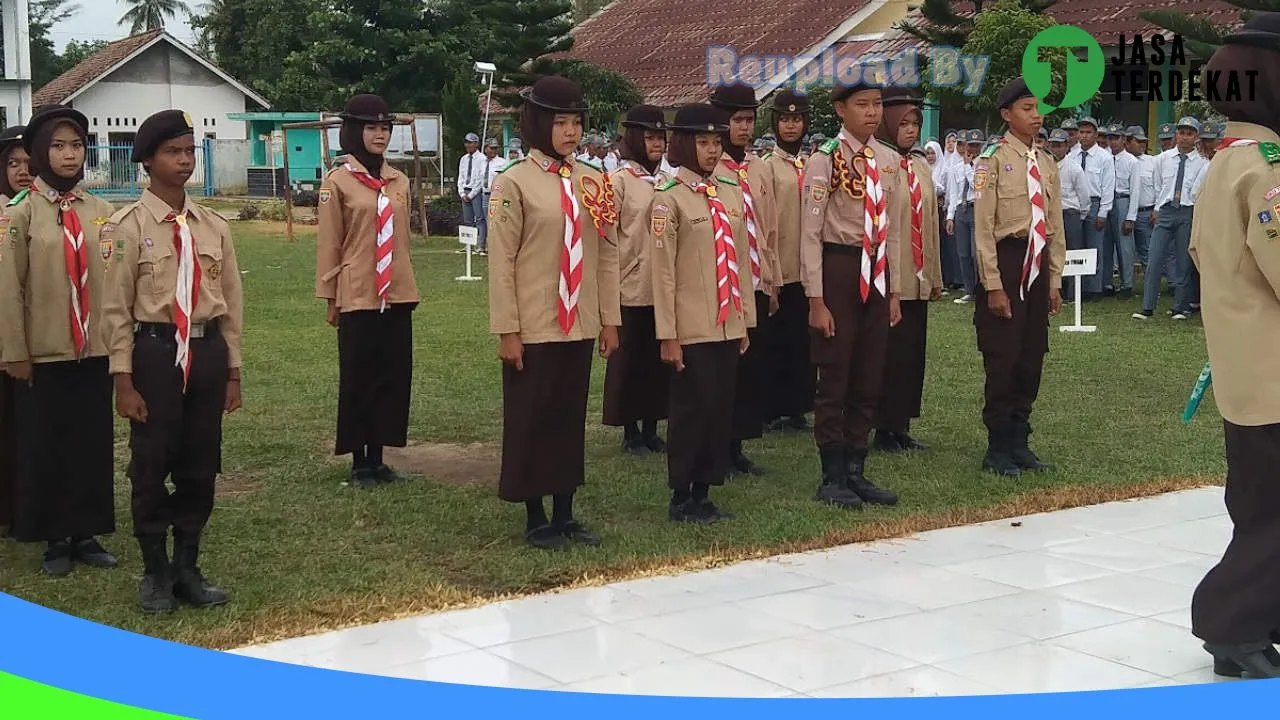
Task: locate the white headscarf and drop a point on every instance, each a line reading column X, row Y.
column 938, row 165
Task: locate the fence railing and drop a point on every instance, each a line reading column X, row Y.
column 109, row 173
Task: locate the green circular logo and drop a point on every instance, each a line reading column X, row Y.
column 1084, row 77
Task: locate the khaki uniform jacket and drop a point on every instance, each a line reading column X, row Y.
column 788, row 195
column 912, row 287
column 35, row 293
column 1235, row 243
column 347, row 246
column 686, row 297
column 760, row 178
column 142, row 276
column 526, row 239
column 1002, row 208
column 831, row 216
column 634, row 196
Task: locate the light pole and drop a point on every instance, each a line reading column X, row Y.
column 487, row 71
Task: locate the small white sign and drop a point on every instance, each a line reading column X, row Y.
column 468, row 235
column 1081, row 262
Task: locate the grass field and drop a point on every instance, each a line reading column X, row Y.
column 300, row 552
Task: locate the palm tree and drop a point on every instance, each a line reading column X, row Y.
column 146, row 15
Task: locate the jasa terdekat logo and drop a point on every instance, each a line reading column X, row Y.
column 1154, row 68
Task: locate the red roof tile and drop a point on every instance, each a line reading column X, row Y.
column 91, row 68
column 662, row 46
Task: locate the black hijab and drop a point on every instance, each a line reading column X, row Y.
column 40, row 145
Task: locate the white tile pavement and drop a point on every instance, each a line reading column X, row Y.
column 1081, row 599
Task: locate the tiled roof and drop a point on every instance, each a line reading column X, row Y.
column 91, row 68
column 661, row 45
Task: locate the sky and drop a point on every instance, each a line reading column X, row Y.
column 97, row 20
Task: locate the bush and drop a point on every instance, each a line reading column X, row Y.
column 249, row 212
column 306, row 198
column 269, row 210
column 444, row 215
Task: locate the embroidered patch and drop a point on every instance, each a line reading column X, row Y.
column 1008, row 168
column 494, row 204
column 147, row 242
column 101, row 221
column 506, row 202
column 660, row 208
column 659, row 225
column 1272, row 233
column 658, row 244
column 107, row 248
column 497, row 186
column 400, row 198
column 818, row 193
column 979, row 179
column 120, row 245
column 1275, row 210
column 1265, row 217
column 735, row 212
column 108, row 228
column 696, row 221
column 1272, row 192
column 325, row 195
column 215, row 270
column 977, row 195
column 4, row 219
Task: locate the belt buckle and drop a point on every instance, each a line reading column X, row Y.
column 197, row 330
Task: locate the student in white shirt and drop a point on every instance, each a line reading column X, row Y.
column 1119, row 247
column 470, row 180
column 1142, row 194
column 515, row 150
column 951, row 277
column 960, row 197
column 1101, row 170
column 492, row 166
column 1074, row 191
column 1178, row 173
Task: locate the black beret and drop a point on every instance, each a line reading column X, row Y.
column 367, row 108
column 1262, row 30
column 1013, row 91
column 734, row 97
column 48, row 114
column 557, row 94
column 164, row 125
column 790, row 102
column 699, row 118
column 648, row 117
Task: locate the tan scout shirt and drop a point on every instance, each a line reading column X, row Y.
column 1235, row 243
column 526, row 239
column 788, row 195
column 35, row 293
column 832, row 216
column 760, row 178
column 142, row 277
column 347, row 246
column 634, row 195
column 912, row 287
column 686, row 299
column 1002, row 208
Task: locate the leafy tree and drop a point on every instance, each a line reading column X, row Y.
column 461, row 111
column 944, row 27
column 76, row 52
column 1202, row 36
column 42, row 15
column 526, row 31
column 244, row 37
column 146, row 15
column 610, row 94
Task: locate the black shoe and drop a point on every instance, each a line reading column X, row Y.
column 57, row 559
column 861, row 486
column 155, row 593
column 1020, row 453
column 635, row 445
column 834, row 489
column 189, row 584
column 364, row 478
column 386, row 476
column 909, row 443
column 687, row 511
column 1125, row 293
column 742, row 465
column 573, row 531
column 90, row 552
column 546, row 537
column 709, row 513
column 798, row 422
column 655, row 444
column 1251, row 659
column 998, row 459
column 887, row 441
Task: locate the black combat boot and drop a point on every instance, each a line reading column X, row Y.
column 834, row 489
column 859, row 484
column 998, row 459
column 649, row 433
column 1020, row 451
column 155, row 594
column 189, row 585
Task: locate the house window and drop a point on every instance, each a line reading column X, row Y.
column 95, row 122
column 214, row 122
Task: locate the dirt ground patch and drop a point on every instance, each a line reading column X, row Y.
column 473, row 464
column 236, row 485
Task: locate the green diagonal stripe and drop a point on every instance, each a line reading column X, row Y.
column 27, row 700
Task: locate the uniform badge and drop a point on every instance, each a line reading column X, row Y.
column 1272, row 193
column 497, row 187
column 1265, row 217
column 494, row 204
column 735, row 212
column 1275, row 210
column 659, row 225
column 215, row 270
column 108, row 228
column 148, row 242
column 324, row 196
column 4, row 219
column 979, row 179
column 1272, row 233
column 1008, row 168
column 107, row 248
column 660, row 208
column 818, row 193
column 101, row 221
column 400, row 198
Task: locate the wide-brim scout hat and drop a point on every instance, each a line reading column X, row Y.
column 699, row 118
column 790, row 102
column 1013, row 91
column 738, row 96
column 11, row 136
column 557, row 94
column 647, row 117
column 1262, row 30
column 1165, row 132
column 368, row 109
column 51, row 114
column 155, row 130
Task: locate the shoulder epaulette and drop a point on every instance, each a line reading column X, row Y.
column 510, row 164
column 19, row 197
column 767, row 155
column 991, row 150
column 592, row 165
column 1270, row 152
column 829, row 146
column 727, row 180
column 670, row 183
column 122, row 213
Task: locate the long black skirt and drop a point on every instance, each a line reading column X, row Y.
column 701, row 427
column 904, row 368
column 544, row 417
column 65, row 478
column 7, row 448
column 375, row 369
column 790, row 376
column 636, row 383
column 751, row 395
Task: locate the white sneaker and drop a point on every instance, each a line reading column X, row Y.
column 1179, row 316
column 1140, row 316
column 963, row 300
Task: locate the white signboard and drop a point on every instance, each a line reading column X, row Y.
column 468, row 235
column 1081, row 262
column 402, row 138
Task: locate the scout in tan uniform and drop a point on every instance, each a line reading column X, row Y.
column 14, row 180
column 636, row 383
column 703, row 307
column 364, row 271
column 852, row 281
column 51, row 291
column 759, row 264
column 790, row 372
column 920, row 263
column 1020, row 249
column 172, row 318
column 553, row 290
column 1235, row 242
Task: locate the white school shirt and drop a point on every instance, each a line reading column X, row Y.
column 1074, row 185
column 470, row 173
column 1124, row 162
column 1142, row 185
column 492, row 168
column 957, row 178
column 1166, row 173
column 1100, row 167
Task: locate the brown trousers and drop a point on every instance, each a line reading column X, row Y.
column 904, row 368
column 1239, row 600
column 701, row 424
column 1013, row 350
column 851, row 364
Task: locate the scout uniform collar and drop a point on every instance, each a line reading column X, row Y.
column 693, row 179
column 388, row 172
column 1268, row 142
column 545, row 161
column 41, row 188
column 1012, row 141
column 852, row 142
column 160, row 209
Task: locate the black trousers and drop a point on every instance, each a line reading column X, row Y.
column 701, row 424
column 182, row 438
column 7, row 449
column 790, row 376
column 1013, row 350
column 1239, row 599
column 751, row 395
column 904, row 368
column 375, row 370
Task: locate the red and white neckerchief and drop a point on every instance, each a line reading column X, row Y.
column 798, row 163
column 76, row 256
column 875, row 224
column 917, row 217
column 728, row 287
column 749, row 213
column 386, row 231
column 1234, row 142
column 1037, row 238
column 571, row 254
column 187, row 292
